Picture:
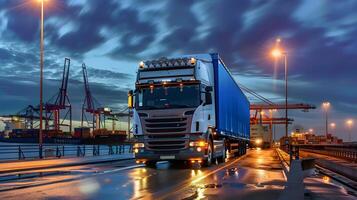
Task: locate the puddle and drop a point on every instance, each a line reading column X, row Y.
column 260, row 185
column 198, row 190
column 213, row 185
column 193, row 196
column 235, row 185
column 232, row 172
column 21, row 176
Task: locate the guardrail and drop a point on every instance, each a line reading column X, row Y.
column 338, row 153
column 34, row 151
column 347, row 152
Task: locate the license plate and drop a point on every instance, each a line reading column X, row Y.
column 167, row 157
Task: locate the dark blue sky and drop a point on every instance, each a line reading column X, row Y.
column 111, row 37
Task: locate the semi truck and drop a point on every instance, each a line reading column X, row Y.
column 260, row 136
column 190, row 109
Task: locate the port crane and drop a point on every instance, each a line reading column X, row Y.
column 90, row 105
column 59, row 102
column 258, row 116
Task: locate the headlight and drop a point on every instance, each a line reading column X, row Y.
column 258, row 141
column 198, row 144
column 139, row 145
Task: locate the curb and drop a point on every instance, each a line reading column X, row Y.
column 284, row 163
column 64, row 165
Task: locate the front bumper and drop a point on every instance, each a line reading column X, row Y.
column 186, row 154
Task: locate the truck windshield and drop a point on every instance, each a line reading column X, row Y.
column 187, row 96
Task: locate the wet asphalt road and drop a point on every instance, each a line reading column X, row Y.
column 258, row 175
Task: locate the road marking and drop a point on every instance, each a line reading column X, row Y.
column 285, row 178
column 121, row 169
column 283, row 162
column 190, row 181
column 216, row 170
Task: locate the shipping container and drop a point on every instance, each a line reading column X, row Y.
column 232, row 106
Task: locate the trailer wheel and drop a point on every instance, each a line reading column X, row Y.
column 225, row 152
column 238, row 152
column 209, row 159
column 222, row 158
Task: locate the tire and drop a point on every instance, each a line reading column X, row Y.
column 238, row 152
column 209, row 160
column 222, row 158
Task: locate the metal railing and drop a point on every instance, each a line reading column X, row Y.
column 33, row 151
column 292, row 151
column 350, row 155
column 346, row 152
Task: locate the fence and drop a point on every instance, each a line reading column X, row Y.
column 347, row 152
column 33, row 151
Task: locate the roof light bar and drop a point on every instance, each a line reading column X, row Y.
column 164, row 62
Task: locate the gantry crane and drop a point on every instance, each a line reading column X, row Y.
column 60, row 102
column 91, row 105
column 269, row 105
column 258, row 108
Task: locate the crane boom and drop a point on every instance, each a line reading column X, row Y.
column 281, row 106
column 88, row 95
column 63, row 88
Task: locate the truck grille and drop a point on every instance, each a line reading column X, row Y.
column 166, row 134
column 166, row 125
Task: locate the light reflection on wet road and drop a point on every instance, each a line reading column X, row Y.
column 256, row 176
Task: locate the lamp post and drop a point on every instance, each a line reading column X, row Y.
column 272, row 126
column 349, row 124
column 40, row 141
column 278, row 53
column 326, row 106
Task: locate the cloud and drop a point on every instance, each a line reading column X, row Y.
column 319, row 38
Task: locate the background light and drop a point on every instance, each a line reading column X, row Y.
column 276, row 53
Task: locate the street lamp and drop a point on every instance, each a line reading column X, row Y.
column 349, row 123
column 278, row 53
column 41, row 77
column 272, row 126
column 326, row 106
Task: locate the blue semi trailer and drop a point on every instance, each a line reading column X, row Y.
column 188, row 109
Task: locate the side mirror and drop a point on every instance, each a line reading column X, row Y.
column 209, row 89
column 130, row 99
column 208, row 98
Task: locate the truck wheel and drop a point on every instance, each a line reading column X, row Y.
column 237, row 152
column 209, row 159
column 222, row 158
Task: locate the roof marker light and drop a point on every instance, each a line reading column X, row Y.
column 141, row 65
column 193, row 61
